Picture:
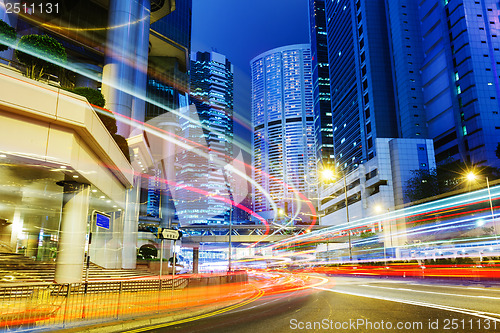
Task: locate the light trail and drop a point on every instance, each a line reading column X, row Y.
column 480, row 314
column 141, row 126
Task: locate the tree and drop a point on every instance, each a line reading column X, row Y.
column 123, row 144
column 422, row 184
column 7, row 35
column 40, row 54
column 445, row 178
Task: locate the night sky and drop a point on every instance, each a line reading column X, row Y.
column 241, row 30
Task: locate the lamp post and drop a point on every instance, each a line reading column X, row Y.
column 380, row 209
column 471, row 176
column 328, row 174
column 347, row 215
column 491, row 208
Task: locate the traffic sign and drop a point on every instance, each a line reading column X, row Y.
column 171, row 234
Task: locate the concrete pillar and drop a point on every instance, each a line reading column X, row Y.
column 141, row 61
column 17, row 227
column 130, row 225
column 196, row 259
column 169, row 151
column 73, row 231
column 93, row 71
column 119, row 71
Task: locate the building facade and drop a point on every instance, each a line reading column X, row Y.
column 378, row 183
column 447, row 61
column 283, row 141
column 321, row 82
column 422, row 70
column 94, row 173
column 362, row 98
column 374, row 101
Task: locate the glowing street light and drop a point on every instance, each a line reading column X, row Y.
column 327, row 174
column 472, row 176
column 379, row 209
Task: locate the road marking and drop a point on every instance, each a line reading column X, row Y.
column 481, row 314
column 459, row 287
column 202, row 316
column 430, row 292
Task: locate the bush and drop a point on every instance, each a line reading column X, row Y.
column 7, row 34
column 93, row 96
column 47, row 50
column 122, row 143
column 148, row 251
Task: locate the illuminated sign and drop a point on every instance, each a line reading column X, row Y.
column 102, row 220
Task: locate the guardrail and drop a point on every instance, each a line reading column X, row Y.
column 69, row 305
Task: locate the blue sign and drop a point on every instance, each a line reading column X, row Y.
column 102, row 220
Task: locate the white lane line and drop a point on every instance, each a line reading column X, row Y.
column 481, row 314
column 430, row 292
column 455, row 287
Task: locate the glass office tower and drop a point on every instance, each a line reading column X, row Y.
column 362, row 98
column 321, row 82
column 212, row 94
column 283, row 139
column 446, row 61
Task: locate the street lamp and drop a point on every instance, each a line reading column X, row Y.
column 379, row 209
column 328, row 174
column 471, row 176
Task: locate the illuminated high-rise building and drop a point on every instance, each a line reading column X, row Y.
column 321, row 83
column 212, row 95
column 446, row 61
column 283, row 122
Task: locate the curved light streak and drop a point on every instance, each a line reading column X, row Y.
column 129, row 121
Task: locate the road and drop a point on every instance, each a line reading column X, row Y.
column 348, row 304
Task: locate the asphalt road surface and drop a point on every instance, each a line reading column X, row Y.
column 362, row 305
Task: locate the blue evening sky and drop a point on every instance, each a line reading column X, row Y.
column 241, row 30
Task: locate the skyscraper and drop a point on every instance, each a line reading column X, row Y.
column 282, row 118
column 167, row 89
column 168, row 81
column 362, row 98
column 212, row 94
column 376, row 145
column 446, row 62
column 321, row 82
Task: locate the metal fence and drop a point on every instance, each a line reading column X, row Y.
column 65, row 305
column 44, row 305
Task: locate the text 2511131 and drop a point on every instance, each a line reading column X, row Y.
column 32, row 8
